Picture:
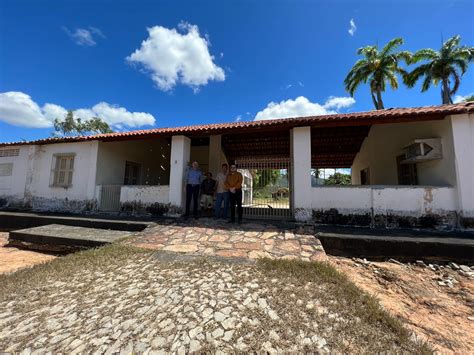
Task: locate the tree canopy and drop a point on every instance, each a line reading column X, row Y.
column 445, row 66
column 338, row 179
column 71, row 126
column 378, row 68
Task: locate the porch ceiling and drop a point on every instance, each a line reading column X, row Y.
column 330, row 146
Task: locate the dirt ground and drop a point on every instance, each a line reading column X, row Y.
column 442, row 314
column 12, row 259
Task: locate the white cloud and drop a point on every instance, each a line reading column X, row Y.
column 339, row 102
column 18, row 109
column 460, row 98
column 301, row 106
column 353, row 28
column 238, row 118
column 173, row 57
column 83, row 36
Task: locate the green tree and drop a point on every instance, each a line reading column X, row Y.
column 445, row 66
column 338, row 179
column 378, row 68
column 264, row 177
column 469, row 99
column 71, row 125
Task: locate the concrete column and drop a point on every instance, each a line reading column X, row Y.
column 300, row 139
column 215, row 150
column 92, row 178
column 463, row 139
column 180, row 154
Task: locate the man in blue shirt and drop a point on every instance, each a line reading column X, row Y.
column 192, row 180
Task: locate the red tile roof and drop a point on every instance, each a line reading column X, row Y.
column 391, row 115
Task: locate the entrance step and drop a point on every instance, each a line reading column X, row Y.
column 62, row 238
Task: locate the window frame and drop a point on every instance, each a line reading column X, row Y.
column 127, row 179
column 68, row 171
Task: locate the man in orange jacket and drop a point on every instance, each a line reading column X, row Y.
column 234, row 183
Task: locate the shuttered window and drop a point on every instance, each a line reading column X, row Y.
column 63, row 169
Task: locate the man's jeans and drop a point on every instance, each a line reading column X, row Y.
column 192, row 193
column 223, row 196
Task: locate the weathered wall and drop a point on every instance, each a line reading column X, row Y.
column 29, row 187
column 385, row 142
column 153, row 155
column 145, row 200
column 12, row 186
column 145, row 194
column 386, row 206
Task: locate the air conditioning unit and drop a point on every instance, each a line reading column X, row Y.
column 421, row 150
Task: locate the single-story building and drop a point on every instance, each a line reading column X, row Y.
column 411, row 167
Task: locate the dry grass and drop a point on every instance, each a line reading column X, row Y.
column 62, row 269
column 374, row 326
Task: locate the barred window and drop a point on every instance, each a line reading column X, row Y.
column 9, row 152
column 63, row 168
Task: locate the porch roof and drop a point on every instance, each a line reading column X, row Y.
column 368, row 118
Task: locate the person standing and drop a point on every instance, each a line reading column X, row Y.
column 192, row 181
column 222, row 193
column 234, row 183
column 208, row 189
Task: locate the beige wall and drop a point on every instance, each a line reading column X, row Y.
column 385, row 142
column 201, row 155
column 153, row 155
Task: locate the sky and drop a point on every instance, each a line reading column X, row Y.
column 143, row 64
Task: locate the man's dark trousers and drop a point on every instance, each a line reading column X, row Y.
column 236, row 199
column 192, row 192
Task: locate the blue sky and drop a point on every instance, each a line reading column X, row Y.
column 235, row 58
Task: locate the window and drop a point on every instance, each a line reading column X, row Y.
column 6, row 169
column 132, row 173
column 365, row 176
column 63, row 168
column 9, row 152
column 407, row 173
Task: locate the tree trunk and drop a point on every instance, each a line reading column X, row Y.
column 379, row 99
column 374, row 100
column 445, row 94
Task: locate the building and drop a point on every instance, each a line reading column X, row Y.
column 411, row 167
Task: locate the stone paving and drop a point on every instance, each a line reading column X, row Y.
column 217, row 238
column 150, row 305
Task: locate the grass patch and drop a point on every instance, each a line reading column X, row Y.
column 347, row 299
column 63, row 268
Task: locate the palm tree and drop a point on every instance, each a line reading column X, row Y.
column 377, row 68
column 446, row 66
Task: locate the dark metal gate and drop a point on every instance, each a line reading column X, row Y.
column 266, row 189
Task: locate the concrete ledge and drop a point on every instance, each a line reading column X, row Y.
column 400, row 245
column 56, row 234
column 18, row 220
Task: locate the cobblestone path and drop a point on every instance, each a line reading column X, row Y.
column 216, row 237
column 151, row 305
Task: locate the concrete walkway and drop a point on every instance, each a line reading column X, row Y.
column 217, row 238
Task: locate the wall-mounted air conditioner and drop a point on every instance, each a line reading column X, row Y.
column 421, row 150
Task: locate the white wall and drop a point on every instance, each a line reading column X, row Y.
column 463, row 135
column 145, row 194
column 83, row 186
column 300, row 150
column 153, row 155
column 385, row 142
column 14, row 186
column 412, row 201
